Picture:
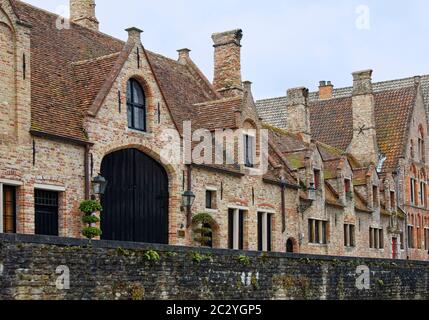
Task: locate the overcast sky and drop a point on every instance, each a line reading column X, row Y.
column 287, row 43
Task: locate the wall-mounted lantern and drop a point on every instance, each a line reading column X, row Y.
column 188, row 198
column 312, row 192
column 99, row 185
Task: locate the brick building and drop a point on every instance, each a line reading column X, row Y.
column 77, row 103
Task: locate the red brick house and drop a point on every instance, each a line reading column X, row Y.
column 77, row 103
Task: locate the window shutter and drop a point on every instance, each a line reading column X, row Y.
column 269, row 231
column 260, row 232
column 231, row 229
column 241, row 228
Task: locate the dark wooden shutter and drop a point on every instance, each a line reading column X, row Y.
column 260, row 232
column 241, row 228
column 231, row 229
column 269, row 231
column 9, row 209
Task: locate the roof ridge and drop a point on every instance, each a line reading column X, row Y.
column 71, row 22
column 81, row 62
column 209, row 102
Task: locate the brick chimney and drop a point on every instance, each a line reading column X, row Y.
column 227, row 62
column 82, row 12
column 298, row 113
column 364, row 145
column 326, row 90
column 183, row 55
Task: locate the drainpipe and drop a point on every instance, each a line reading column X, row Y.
column 189, row 208
column 402, row 206
column 86, row 168
column 283, row 189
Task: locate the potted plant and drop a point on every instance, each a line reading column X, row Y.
column 203, row 232
column 90, row 208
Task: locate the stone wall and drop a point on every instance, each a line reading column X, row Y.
column 109, row 270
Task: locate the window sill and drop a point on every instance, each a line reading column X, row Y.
column 212, row 210
column 145, row 133
column 321, row 245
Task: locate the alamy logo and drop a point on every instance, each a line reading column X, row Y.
column 363, row 281
column 248, row 147
column 363, row 21
column 62, row 22
column 63, row 281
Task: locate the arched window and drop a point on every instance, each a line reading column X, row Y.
column 136, row 105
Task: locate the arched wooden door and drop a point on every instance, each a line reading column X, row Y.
column 135, row 205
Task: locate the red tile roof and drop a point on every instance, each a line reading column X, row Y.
column 70, row 66
column 332, row 122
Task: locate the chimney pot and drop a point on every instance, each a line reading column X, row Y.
column 362, row 82
column 417, row 80
column 134, row 34
column 247, row 85
column 326, row 90
column 183, row 55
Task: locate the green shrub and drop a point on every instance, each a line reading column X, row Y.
column 244, row 260
column 90, row 219
column 203, row 235
column 151, row 255
column 90, row 206
column 91, row 232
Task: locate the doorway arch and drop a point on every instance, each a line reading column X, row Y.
column 135, row 205
column 291, row 246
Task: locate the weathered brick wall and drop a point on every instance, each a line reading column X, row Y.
column 108, row 270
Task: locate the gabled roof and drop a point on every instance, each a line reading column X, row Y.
column 70, row 66
column 332, row 120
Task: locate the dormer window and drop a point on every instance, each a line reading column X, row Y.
column 136, row 104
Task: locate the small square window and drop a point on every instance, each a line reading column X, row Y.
column 210, row 199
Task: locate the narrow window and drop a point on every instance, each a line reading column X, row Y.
column 318, row 231
column 402, row 241
column 9, row 209
column 349, row 235
column 426, row 239
column 375, row 196
column 264, row 231
column 423, row 194
column 412, row 191
column 236, row 229
column 210, row 199
column 348, row 186
column 410, row 237
column 392, row 200
column 419, row 238
column 136, row 104
column 249, row 151
column 317, row 179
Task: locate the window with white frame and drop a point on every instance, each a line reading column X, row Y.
column 265, row 223
column 236, row 229
column 317, row 231
column 376, row 238
column 349, row 235
column 249, row 147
